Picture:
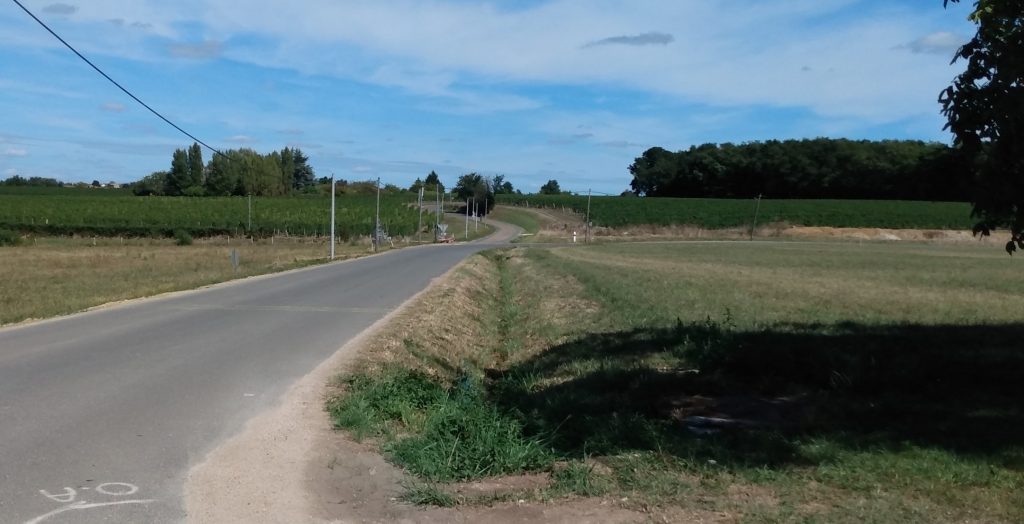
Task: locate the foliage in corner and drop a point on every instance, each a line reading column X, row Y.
column 984, row 108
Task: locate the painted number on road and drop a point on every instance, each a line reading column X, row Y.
column 69, row 496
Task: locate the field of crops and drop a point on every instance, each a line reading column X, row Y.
column 105, row 212
column 613, row 211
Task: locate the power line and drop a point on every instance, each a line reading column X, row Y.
column 112, row 81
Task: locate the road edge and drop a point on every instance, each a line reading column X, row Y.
column 259, row 474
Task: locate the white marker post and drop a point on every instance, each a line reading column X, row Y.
column 376, row 221
column 588, row 215
column 332, row 216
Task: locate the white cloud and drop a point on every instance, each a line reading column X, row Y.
column 940, row 43
column 113, row 107
column 643, row 39
column 15, row 151
column 240, row 139
column 730, row 54
column 476, row 55
column 200, row 51
column 60, row 9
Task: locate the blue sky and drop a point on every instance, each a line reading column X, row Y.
column 570, row 90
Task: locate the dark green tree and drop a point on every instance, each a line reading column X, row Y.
column 818, row 168
column 550, row 188
column 222, row 175
column 178, row 180
column 303, row 176
column 474, row 186
column 288, row 169
column 433, row 181
column 415, row 187
column 500, row 186
column 984, row 108
column 153, row 184
column 195, row 167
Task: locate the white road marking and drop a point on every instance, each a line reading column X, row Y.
column 85, row 505
column 113, row 489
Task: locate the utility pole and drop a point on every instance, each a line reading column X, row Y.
column 376, row 221
column 757, row 209
column 467, row 219
column 332, row 216
column 437, row 216
column 250, row 213
column 588, row 215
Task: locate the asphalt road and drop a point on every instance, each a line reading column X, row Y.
column 103, row 413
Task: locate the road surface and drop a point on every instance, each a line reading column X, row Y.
column 103, row 413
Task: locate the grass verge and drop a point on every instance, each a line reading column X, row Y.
column 516, row 216
column 457, row 227
column 783, row 382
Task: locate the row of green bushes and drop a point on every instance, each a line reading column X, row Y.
column 712, row 213
column 110, row 214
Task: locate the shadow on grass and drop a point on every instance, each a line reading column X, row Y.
column 958, row 388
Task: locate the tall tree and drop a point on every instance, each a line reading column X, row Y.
column 476, row 187
column 415, row 187
column 195, row 166
column 288, row 170
column 433, row 181
column 178, row 180
column 550, row 188
column 984, row 108
column 501, row 186
column 303, row 176
column 222, row 174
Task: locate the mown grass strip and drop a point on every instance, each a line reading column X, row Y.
column 679, row 391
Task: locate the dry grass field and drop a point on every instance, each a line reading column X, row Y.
column 54, row 276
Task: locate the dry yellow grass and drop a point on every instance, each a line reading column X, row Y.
column 55, row 276
column 455, row 324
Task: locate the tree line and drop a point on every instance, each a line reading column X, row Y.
column 235, row 172
column 818, row 168
column 34, row 181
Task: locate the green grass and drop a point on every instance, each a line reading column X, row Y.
column 115, row 213
column 524, row 219
column 9, row 238
column 729, row 213
column 441, row 434
column 425, row 494
column 457, row 227
column 872, row 382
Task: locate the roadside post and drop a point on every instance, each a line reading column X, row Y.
column 376, row 220
column 588, row 216
column 757, row 209
column 332, row 216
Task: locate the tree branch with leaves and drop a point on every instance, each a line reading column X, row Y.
column 984, row 108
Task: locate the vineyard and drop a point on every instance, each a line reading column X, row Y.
column 709, row 213
column 104, row 212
